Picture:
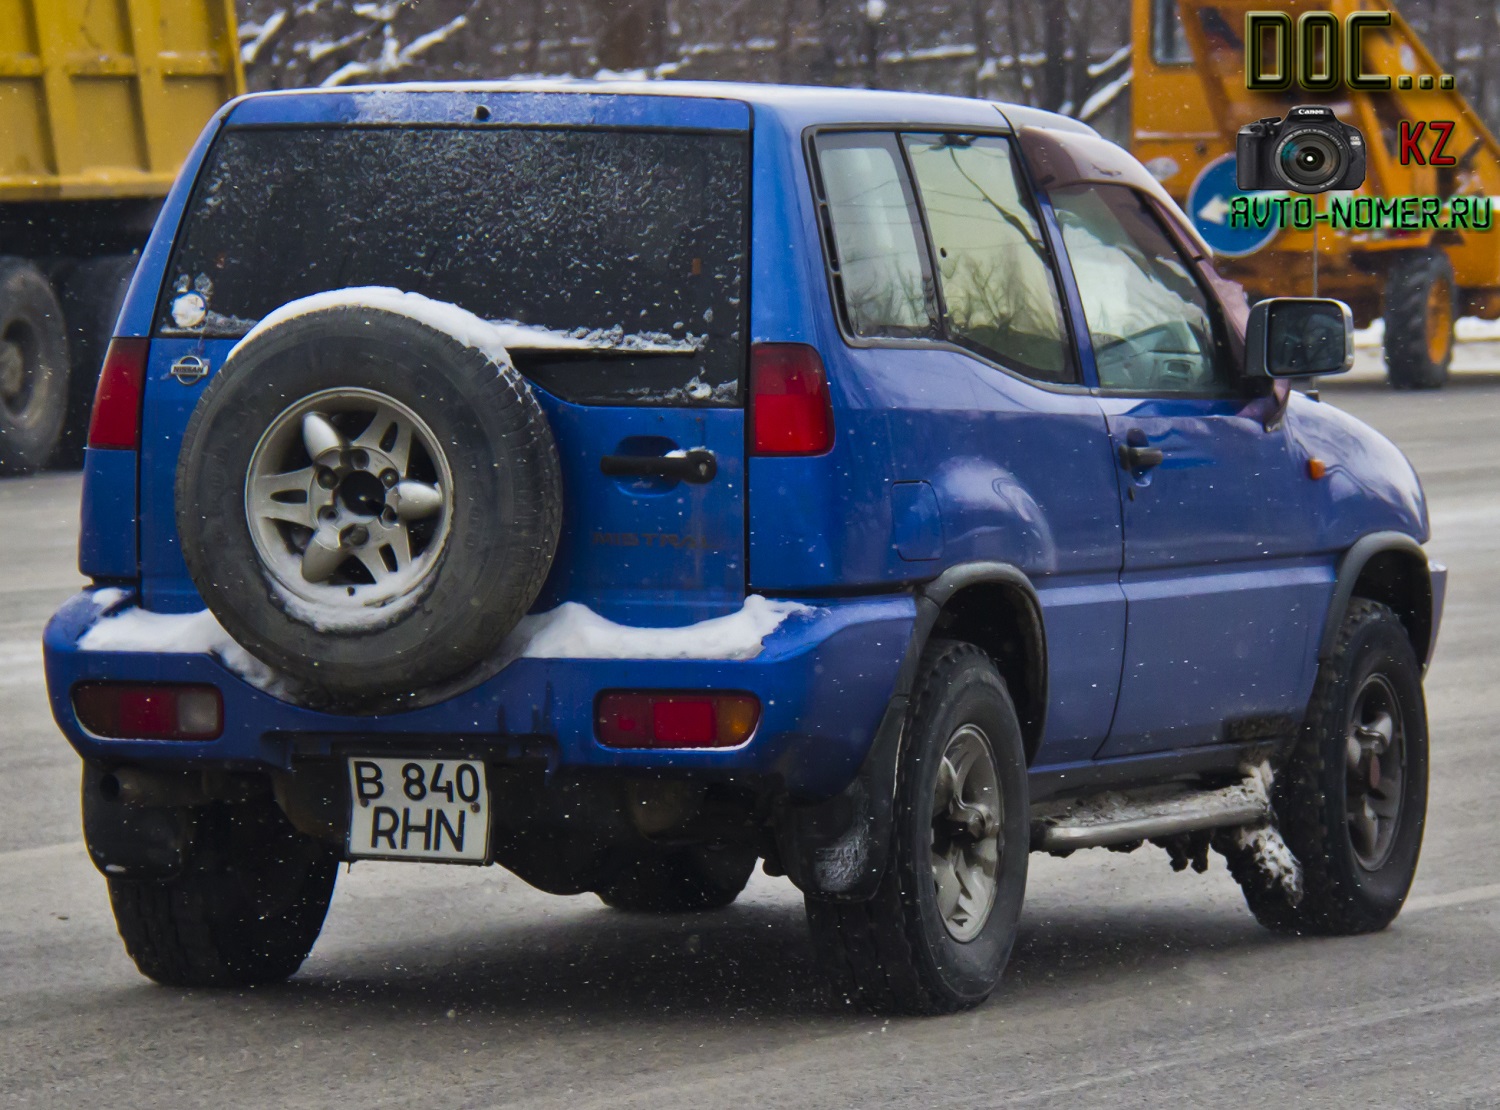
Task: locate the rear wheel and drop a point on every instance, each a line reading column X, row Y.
column 1419, row 299
column 246, row 908
column 679, row 880
column 33, row 368
column 1352, row 799
column 939, row 930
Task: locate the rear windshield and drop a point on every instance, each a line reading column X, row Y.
column 633, row 240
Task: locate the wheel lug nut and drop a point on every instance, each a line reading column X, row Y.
column 388, row 478
column 327, row 478
column 327, row 512
column 355, row 535
column 359, row 458
column 388, row 516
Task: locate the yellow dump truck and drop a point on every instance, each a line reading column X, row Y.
column 100, row 101
column 1189, row 101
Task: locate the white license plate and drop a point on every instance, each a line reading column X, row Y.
column 424, row 809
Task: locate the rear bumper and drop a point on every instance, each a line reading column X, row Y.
column 824, row 680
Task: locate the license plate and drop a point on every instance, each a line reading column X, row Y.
column 424, row 809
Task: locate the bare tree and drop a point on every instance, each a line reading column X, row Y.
column 1068, row 55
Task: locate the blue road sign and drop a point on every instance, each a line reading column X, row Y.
column 1208, row 207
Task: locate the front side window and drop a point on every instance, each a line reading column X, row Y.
column 876, row 238
column 1150, row 322
column 999, row 292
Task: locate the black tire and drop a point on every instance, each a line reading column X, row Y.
column 505, row 517
column 33, row 368
column 679, row 880
column 1341, row 895
column 93, row 292
column 246, row 909
column 895, row 953
column 1419, row 317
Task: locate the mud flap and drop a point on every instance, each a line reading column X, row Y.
column 134, row 841
column 837, row 849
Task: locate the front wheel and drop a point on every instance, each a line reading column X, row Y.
column 246, row 909
column 1352, row 799
column 939, row 930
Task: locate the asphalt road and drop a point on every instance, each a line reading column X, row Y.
column 439, row 987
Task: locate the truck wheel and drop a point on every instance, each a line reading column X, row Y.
column 92, row 294
column 246, row 908
column 1352, row 799
column 368, row 505
column 1419, row 295
column 679, row 880
column 33, row 368
column 939, row 930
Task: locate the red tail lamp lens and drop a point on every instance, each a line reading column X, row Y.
column 791, row 411
column 661, row 720
column 149, row 711
column 116, row 421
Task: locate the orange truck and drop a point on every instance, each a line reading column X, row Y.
column 1189, row 100
column 100, row 102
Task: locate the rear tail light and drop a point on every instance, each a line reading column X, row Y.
column 149, row 711
column 117, row 400
column 624, row 719
column 791, row 412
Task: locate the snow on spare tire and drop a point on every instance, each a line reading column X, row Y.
column 369, row 496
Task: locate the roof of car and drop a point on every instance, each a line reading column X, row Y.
column 797, row 105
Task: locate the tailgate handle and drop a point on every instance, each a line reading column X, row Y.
column 697, row 466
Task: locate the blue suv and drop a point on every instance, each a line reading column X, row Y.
column 628, row 483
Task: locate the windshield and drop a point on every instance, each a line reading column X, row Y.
column 631, row 243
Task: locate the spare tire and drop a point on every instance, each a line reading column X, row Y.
column 368, row 505
column 33, row 367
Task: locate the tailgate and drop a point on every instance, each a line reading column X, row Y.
column 615, row 256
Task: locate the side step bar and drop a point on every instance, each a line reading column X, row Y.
column 1101, row 820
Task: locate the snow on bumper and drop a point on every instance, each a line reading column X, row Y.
column 823, row 676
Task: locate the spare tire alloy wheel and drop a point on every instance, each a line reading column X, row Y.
column 33, row 368
column 368, row 505
column 349, row 498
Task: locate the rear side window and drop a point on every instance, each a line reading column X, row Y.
column 878, row 259
column 637, row 239
column 998, row 287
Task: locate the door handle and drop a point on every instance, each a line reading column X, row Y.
column 1133, row 457
column 696, row 466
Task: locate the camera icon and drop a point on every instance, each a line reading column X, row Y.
column 1309, row 151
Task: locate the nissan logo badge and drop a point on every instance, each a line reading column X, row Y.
column 189, row 369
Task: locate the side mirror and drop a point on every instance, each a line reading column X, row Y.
column 1297, row 337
